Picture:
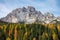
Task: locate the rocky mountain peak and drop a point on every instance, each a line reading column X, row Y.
column 31, row 9
column 29, row 15
column 49, row 15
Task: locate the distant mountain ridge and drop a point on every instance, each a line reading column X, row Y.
column 29, row 15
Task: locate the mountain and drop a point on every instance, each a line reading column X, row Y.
column 49, row 17
column 29, row 15
column 58, row 18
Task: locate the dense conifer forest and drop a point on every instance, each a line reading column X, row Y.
column 35, row 31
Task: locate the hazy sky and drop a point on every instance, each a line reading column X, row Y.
column 44, row 6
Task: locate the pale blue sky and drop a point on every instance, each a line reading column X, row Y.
column 44, row 6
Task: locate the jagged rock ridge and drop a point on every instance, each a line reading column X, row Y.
column 29, row 15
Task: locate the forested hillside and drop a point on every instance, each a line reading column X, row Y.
column 17, row 31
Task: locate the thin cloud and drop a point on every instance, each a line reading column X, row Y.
column 3, row 10
column 41, row 5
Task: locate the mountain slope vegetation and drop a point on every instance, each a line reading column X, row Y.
column 35, row 31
